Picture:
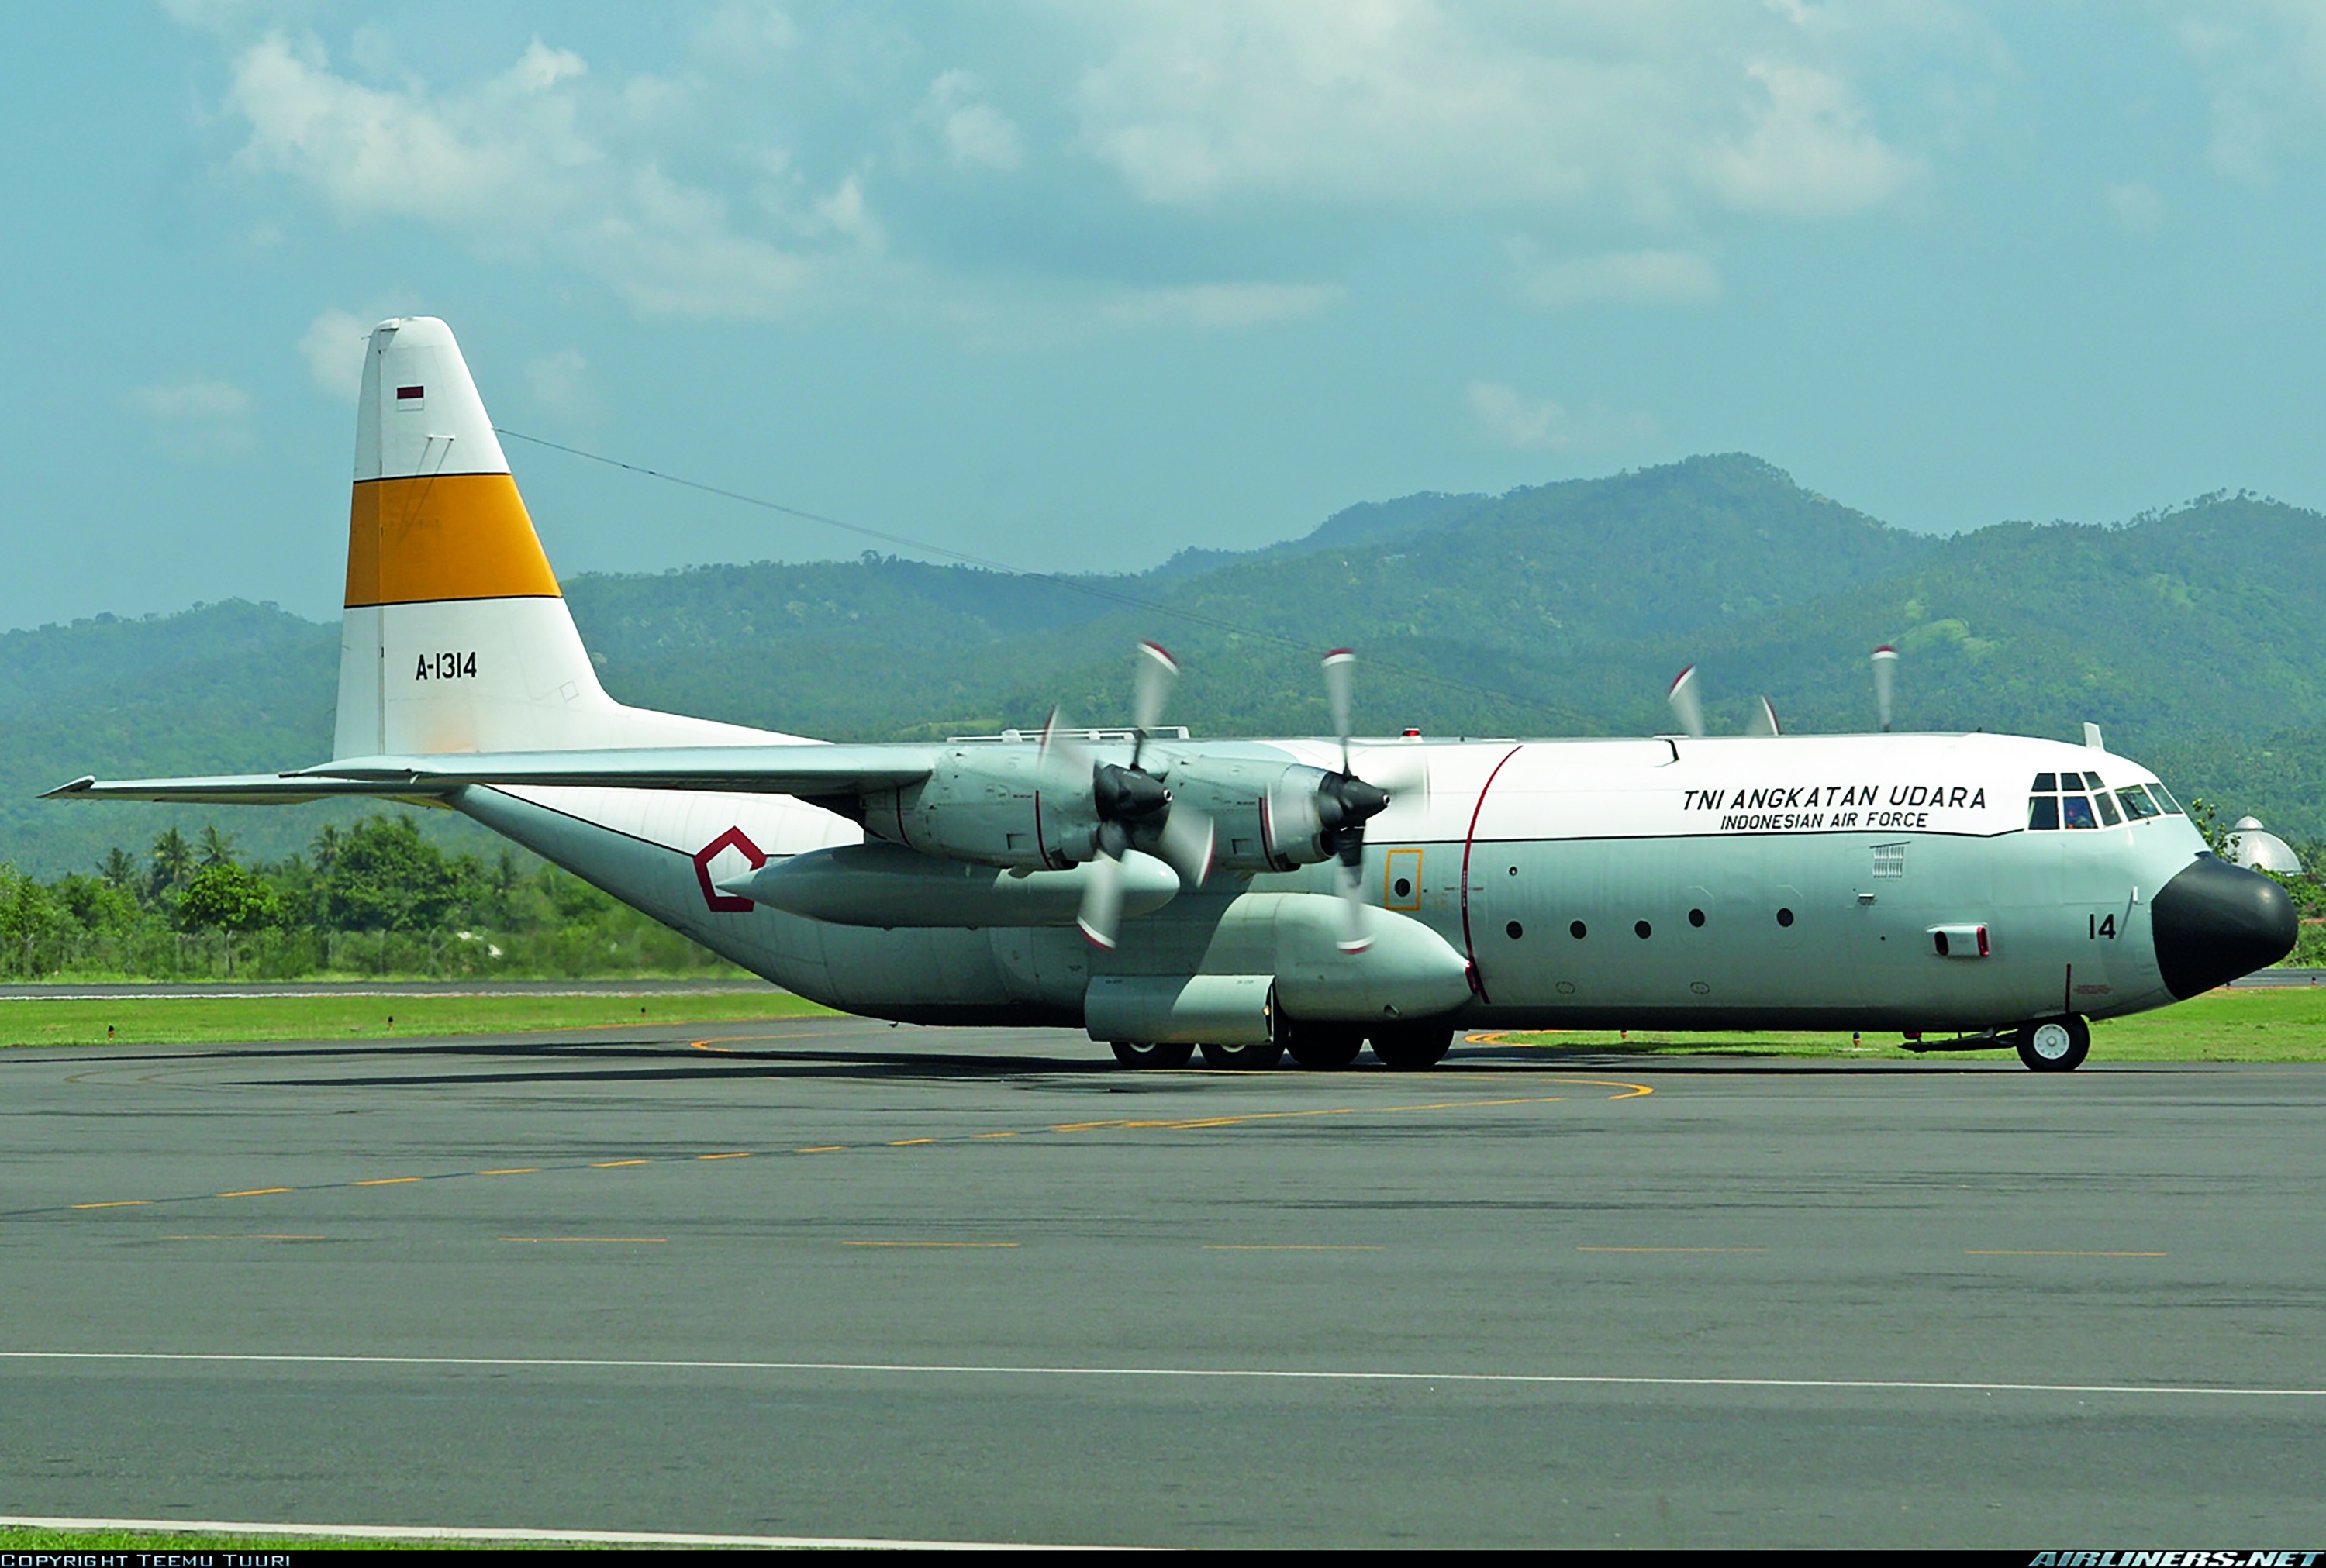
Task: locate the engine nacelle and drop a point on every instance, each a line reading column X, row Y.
column 986, row 804
column 1267, row 814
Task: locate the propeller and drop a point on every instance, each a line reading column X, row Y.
column 1345, row 802
column 1885, row 679
column 1686, row 704
column 1763, row 721
column 1133, row 807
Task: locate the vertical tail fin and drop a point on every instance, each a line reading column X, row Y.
column 456, row 637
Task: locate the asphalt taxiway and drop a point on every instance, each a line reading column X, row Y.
column 824, row 1277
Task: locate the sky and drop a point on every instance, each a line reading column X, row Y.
column 1074, row 286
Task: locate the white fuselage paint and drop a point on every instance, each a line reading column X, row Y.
column 1513, row 845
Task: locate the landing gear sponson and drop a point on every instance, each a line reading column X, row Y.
column 1320, row 1047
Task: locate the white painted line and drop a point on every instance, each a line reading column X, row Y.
column 1291, row 1374
column 595, row 1537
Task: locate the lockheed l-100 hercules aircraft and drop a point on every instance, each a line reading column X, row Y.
column 1256, row 897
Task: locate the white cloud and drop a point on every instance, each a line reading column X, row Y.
column 333, row 347
column 1640, row 277
column 2264, row 65
column 844, row 212
column 509, row 165
column 2139, row 207
column 976, row 134
column 1808, row 154
column 1514, row 419
column 560, row 383
column 1411, row 102
column 1216, row 306
column 196, row 418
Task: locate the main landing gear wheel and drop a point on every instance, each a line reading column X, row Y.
column 1131, row 1053
column 1411, row 1047
column 2053, row 1045
column 1242, row 1057
column 1321, row 1047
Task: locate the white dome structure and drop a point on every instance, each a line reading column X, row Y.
column 2255, row 847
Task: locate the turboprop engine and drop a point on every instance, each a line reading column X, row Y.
column 990, row 803
column 999, row 804
column 1271, row 815
column 1060, row 805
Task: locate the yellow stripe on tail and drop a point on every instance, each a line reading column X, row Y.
column 445, row 536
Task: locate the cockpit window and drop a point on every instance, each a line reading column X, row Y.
column 2136, row 804
column 2076, row 811
column 2164, row 798
column 2045, row 784
column 2044, row 812
column 2093, row 779
column 2107, row 805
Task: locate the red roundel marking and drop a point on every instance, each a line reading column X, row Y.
column 732, row 839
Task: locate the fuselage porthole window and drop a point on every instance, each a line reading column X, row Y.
column 1785, row 917
column 1577, row 931
column 1696, row 917
column 1516, row 929
column 1643, row 930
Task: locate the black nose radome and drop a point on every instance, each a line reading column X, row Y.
column 2215, row 922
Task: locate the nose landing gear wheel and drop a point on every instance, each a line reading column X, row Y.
column 1131, row 1053
column 2054, row 1045
column 1411, row 1048
column 1242, row 1057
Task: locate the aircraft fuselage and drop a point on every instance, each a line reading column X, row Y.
column 1871, row 881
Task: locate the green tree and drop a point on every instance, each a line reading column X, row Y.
column 227, row 898
column 173, row 862
column 119, row 869
column 214, row 848
column 33, row 925
column 2206, row 817
column 385, row 877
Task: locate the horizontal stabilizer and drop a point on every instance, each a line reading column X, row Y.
column 247, row 789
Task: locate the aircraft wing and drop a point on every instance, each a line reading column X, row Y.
column 773, row 770
column 778, row 770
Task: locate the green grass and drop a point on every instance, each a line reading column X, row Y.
column 187, row 1020
column 13, row 1538
column 2286, row 1024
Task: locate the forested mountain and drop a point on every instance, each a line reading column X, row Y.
column 2191, row 635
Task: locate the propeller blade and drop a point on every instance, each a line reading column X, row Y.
column 1340, row 673
column 1763, row 721
column 1067, row 765
column 1355, row 938
column 1886, row 678
column 1157, row 671
column 1403, row 771
column 1102, row 910
column 1686, row 704
column 1186, row 842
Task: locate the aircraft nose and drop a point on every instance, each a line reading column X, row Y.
column 2214, row 921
